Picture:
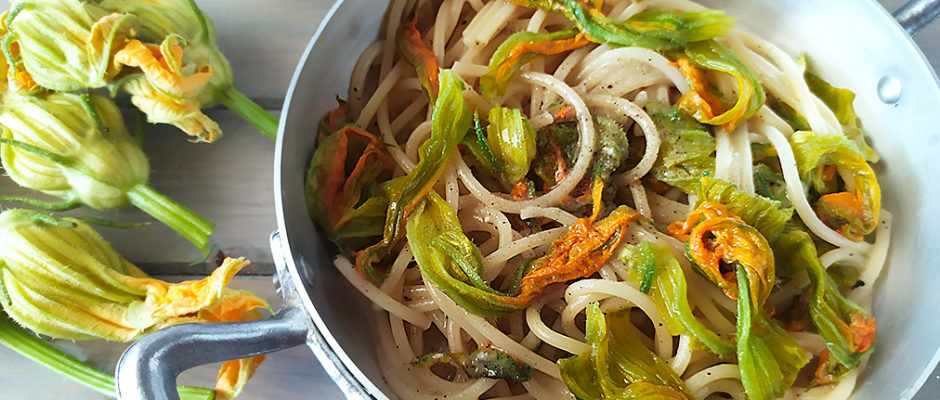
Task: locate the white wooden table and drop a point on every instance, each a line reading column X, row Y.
column 230, row 182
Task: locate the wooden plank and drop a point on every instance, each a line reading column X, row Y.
column 264, row 40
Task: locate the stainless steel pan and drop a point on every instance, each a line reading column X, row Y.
column 856, row 44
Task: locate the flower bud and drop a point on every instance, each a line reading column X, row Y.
column 76, row 147
column 65, row 45
column 85, row 152
column 62, row 279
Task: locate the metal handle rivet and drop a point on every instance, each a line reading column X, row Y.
column 889, row 89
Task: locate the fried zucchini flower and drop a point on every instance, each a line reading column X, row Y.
column 76, row 147
column 60, row 278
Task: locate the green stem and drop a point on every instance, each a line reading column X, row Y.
column 112, row 224
column 184, row 221
column 36, row 349
column 250, row 111
column 44, row 205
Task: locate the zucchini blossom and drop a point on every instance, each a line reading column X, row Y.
column 60, row 278
column 76, row 147
column 162, row 19
column 192, row 35
column 163, row 53
column 64, row 45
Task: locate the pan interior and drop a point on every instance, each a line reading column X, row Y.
column 855, row 44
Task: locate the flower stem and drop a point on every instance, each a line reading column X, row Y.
column 36, row 349
column 250, row 111
column 44, row 205
column 184, row 221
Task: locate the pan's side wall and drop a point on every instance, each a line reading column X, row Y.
column 343, row 316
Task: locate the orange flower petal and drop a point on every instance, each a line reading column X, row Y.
column 162, row 68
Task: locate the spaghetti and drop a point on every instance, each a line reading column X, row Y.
column 535, row 154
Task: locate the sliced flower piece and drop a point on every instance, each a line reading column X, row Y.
column 612, row 148
column 585, row 248
column 511, row 139
column 652, row 29
column 619, row 366
column 518, row 50
column 717, row 239
column 557, row 147
column 853, row 212
column 700, row 103
column 849, row 332
column 449, row 260
column 687, row 151
column 768, row 357
column 450, row 121
column 669, row 291
column 348, row 203
column 484, row 362
column 416, row 53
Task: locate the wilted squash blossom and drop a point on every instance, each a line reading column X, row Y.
column 160, row 19
column 166, row 90
column 64, row 45
column 60, row 278
column 76, row 147
column 189, row 50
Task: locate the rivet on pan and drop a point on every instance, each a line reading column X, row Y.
column 889, row 89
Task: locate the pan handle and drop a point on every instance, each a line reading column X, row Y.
column 916, row 14
column 148, row 369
